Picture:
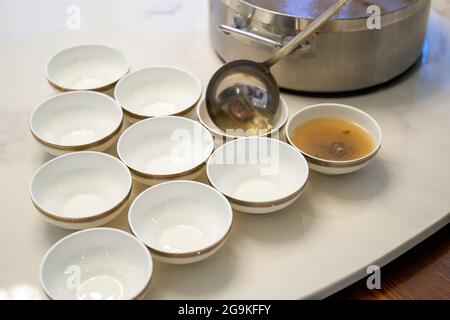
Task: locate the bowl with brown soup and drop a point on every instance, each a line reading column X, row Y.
column 334, row 138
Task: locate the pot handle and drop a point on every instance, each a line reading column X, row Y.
column 253, row 36
column 303, row 48
column 309, row 30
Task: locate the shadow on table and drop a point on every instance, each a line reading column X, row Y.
column 198, row 280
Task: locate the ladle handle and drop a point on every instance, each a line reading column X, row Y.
column 305, row 33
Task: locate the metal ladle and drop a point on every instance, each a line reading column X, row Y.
column 243, row 94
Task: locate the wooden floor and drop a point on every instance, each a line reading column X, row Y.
column 421, row 273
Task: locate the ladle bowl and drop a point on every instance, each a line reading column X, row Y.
column 244, row 92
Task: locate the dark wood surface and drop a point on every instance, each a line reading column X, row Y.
column 421, row 273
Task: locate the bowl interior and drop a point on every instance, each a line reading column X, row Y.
column 87, row 67
column 165, row 145
column 96, row 264
column 158, row 91
column 205, row 119
column 180, row 217
column 257, row 169
column 80, row 185
column 336, row 111
column 76, row 118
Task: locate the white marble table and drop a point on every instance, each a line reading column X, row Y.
column 321, row 244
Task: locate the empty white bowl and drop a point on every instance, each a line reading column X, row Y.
column 258, row 175
column 221, row 136
column 81, row 189
column 76, row 121
column 181, row 221
column 87, row 67
column 158, row 91
column 164, row 148
column 334, row 110
column 96, row 264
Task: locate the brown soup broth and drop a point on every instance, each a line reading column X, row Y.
column 333, row 139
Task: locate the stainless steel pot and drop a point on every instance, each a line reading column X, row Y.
column 347, row 53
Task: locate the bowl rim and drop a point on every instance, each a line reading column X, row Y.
column 336, row 163
column 77, row 147
column 222, row 134
column 149, row 259
column 147, row 175
column 140, row 116
column 186, row 254
column 90, row 218
column 98, row 88
column 260, row 204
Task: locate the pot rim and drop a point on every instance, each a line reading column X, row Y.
column 266, row 17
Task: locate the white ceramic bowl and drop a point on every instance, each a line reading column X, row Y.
column 81, row 189
column 345, row 112
column 158, row 91
column 86, row 67
column 165, row 148
column 76, row 121
column 96, row 264
column 222, row 137
column 258, row 175
column 181, row 221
